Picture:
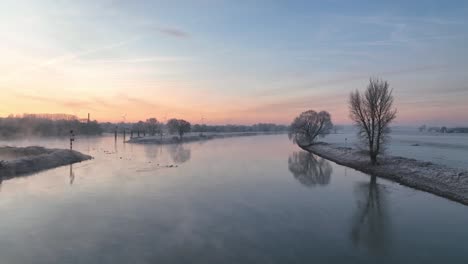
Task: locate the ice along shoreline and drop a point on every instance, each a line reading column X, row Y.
column 447, row 182
column 19, row 161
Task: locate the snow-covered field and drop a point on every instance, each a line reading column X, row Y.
column 445, row 149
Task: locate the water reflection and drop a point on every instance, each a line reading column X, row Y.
column 370, row 226
column 152, row 151
column 179, row 153
column 309, row 169
column 72, row 174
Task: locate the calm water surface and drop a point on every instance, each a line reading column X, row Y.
column 239, row 200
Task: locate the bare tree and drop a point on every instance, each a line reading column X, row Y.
column 152, row 125
column 372, row 112
column 139, row 127
column 160, row 130
column 308, row 126
column 422, row 128
column 179, row 126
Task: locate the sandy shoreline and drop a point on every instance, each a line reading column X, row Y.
column 193, row 138
column 451, row 183
column 16, row 161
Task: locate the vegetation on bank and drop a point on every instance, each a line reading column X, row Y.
column 443, row 129
column 308, row 126
column 371, row 111
column 260, row 127
column 180, row 127
column 46, row 125
column 50, row 125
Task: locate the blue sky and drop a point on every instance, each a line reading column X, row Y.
column 232, row 61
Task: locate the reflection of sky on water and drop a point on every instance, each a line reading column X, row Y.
column 232, row 200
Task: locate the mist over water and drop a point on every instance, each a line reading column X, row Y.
column 238, row 200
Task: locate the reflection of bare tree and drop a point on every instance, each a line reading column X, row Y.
column 179, row 153
column 370, row 224
column 152, row 151
column 309, row 169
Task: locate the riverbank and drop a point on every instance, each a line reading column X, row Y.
column 15, row 161
column 192, row 137
column 440, row 180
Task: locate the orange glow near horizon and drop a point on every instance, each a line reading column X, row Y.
column 195, row 104
column 70, row 58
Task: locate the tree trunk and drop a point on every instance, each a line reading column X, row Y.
column 373, row 157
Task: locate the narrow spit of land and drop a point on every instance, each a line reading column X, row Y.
column 451, row 183
column 17, row 161
column 193, row 137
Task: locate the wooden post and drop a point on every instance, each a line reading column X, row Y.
column 124, row 133
column 87, row 125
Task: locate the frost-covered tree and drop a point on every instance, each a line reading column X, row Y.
column 178, row 126
column 152, row 125
column 372, row 113
column 308, row 126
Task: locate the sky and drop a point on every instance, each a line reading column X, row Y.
column 237, row 62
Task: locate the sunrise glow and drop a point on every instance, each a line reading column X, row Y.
column 228, row 62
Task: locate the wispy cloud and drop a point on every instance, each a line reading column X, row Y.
column 67, row 57
column 79, row 54
column 67, row 103
column 392, row 30
column 350, row 78
column 173, row 32
column 143, row 60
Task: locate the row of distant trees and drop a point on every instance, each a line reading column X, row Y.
column 61, row 124
column 442, row 129
column 371, row 111
column 151, row 127
column 154, row 127
column 46, row 125
column 260, row 127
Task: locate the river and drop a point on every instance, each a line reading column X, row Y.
column 253, row 199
